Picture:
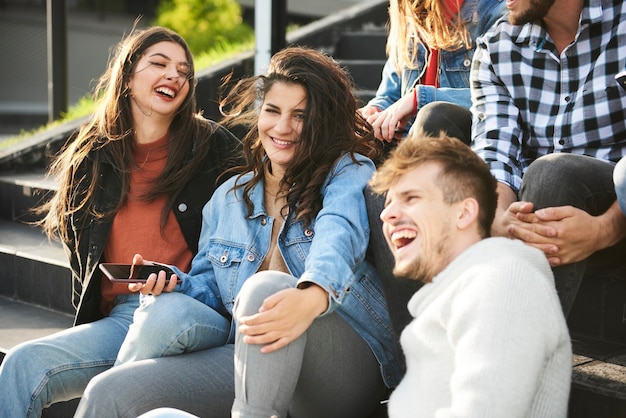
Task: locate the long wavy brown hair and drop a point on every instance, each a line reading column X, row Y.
column 108, row 135
column 332, row 126
column 427, row 22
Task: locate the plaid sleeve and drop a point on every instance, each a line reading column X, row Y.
column 496, row 129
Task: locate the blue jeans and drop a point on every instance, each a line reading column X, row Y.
column 330, row 371
column 171, row 324
column 149, row 372
column 585, row 183
column 56, row 368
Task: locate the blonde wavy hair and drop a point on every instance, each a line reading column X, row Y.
column 425, row 22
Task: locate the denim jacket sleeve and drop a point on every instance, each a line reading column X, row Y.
column 341, row 230
column 200, row 282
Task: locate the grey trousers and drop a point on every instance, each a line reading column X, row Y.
column 329, row 371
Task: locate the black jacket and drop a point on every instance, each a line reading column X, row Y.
column 88, row 236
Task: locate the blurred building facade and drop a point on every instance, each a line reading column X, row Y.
column 93, row 28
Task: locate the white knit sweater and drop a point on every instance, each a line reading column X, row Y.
column 489, row 339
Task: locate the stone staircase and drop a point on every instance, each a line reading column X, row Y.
column 33, row 270
column 35, row 285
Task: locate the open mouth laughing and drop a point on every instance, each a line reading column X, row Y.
column 166, row 91
column 402, row 237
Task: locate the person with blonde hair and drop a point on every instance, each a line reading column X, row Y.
column 430, row 48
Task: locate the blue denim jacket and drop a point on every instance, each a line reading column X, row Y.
column 330, row 252
column 454, row 69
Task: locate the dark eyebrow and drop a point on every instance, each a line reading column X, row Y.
column 294, row 110
column 159, row 54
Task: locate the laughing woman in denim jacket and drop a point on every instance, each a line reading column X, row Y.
column 281, row 271
column 430, row 48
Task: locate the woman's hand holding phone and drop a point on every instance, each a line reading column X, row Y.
column 156, row 284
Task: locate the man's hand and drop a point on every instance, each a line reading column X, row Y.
column 283, row 317
column 565, row 234
column 155, row 285
column 515, row 219
column 577, row 234
column 507, row 210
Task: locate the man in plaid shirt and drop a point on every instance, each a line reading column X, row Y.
column 550, row 120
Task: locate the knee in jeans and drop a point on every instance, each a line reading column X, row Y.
column 549, row 176
column 430, row 118
column 160, row 310
column 443, row 117
column 27, row 352
column 558, row 166
column 546, row 165
column 257, row 288
column 561, row 179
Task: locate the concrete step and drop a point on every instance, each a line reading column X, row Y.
column 367, row 44
column 22, row 191
column 598, row 380
column 20, row 322
column 34, row 269
column 599, row 311
column 365, row 72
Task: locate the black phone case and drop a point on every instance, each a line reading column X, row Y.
column 121, row 273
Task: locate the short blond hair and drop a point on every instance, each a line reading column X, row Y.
column 463, row 174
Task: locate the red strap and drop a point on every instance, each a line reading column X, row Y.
column 453, row 6
column 431, row 76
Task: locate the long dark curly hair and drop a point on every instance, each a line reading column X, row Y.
column 332, row 126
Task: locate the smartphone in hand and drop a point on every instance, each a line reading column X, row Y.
column 127, row 273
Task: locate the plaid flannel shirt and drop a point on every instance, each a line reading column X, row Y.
column 527, row 101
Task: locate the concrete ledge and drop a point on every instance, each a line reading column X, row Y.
column 600, row 368
column 28, row 242
column 32, row 179
column 21, row 322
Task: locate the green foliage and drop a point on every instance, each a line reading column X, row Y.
column 205, row 24
column 213, row 29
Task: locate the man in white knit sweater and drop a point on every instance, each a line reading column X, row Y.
column 488, row 338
